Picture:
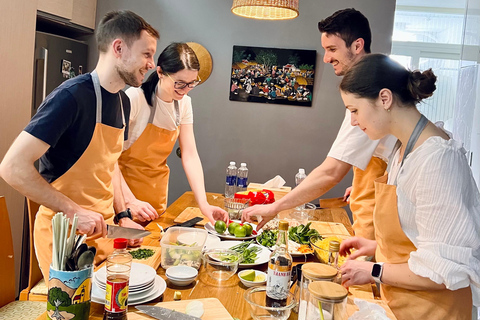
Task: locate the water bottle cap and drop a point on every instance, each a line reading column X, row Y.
column 232, row 163
column 120, row 243
column 301, row 171
column 243, row 164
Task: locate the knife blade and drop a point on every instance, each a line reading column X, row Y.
column 188, row 223
column 164, row 313
column 127, row 233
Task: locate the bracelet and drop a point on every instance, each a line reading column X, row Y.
column 124, row 214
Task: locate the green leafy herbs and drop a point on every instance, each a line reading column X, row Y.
column 141, row 254
column 247, row 255
column 268, row 238
column 301, row 234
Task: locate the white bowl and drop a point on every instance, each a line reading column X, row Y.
column 252, row 283
column 180, row 283
column 181, row 273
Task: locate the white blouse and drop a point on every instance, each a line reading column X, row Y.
column 439, row 211
column 164, row 114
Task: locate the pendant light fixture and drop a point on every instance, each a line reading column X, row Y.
column 266, row 9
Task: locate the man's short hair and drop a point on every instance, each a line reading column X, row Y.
column 124, row 24
column 348, row 24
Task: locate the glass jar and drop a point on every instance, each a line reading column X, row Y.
column 327, row 301
column 311, row 272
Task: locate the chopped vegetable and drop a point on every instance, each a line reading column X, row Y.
column 177, row 295
column 299, row 238
column 247, row 255
column 301, row 234
column 140, row 254
column 268, row 238
column 195, row 309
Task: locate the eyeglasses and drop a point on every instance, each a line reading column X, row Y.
column 182, row 85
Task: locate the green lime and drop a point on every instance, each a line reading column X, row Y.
column 240, row 231
column 231, row 228
column 220, row 226
column 248, row 275
column 248, row 229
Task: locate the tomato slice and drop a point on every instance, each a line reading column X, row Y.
column 254, row 232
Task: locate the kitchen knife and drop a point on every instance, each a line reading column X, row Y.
column 164, row 313
column 188, row 223
column 127, row 233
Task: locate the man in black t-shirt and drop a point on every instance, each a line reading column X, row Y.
column 78, row 136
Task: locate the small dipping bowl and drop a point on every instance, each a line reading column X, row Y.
column 221, row 264
column 261, row 309
column 247, row 283
column 181, row 275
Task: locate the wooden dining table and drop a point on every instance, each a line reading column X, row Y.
column 229, row 292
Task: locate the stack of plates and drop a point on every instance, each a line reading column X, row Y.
column 144, row 284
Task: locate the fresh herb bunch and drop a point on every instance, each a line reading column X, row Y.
column 301, row 234
column 141, row 254
column 247, row 255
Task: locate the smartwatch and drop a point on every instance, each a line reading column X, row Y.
column 377, row 271
column 123, row 214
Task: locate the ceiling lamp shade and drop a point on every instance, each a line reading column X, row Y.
column 266, row 9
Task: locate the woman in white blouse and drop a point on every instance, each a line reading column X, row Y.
column 427, row 214
column 161, row 113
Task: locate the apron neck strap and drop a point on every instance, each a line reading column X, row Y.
column 98, row 96
column 152, row 112
column 421, row 124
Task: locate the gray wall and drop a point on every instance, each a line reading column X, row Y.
column 271, row 139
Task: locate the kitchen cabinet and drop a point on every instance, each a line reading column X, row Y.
column 78, row 12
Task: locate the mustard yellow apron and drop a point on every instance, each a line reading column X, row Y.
column 88, row 183
column 144, row 164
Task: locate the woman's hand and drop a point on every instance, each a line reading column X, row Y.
column 142, row 211
column 356, row 272
column 214, row 213
column 128, row 223
column 266, row 211
column 346, row 196
column 364, row 247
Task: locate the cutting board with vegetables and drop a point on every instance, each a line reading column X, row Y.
column 152, row 261
column 214, row 309
column 329, row 227
column 190, row 213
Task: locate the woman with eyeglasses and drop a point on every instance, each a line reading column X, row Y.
column 160, row 113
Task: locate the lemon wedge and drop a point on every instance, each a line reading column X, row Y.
column 259, row 278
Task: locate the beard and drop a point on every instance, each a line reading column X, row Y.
column 128, row 77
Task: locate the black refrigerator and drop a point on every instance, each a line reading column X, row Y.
column 56, row 60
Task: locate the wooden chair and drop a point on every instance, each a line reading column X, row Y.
column 9, row 308
column 37, row 289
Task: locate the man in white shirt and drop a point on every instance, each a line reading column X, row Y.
column 346, row 38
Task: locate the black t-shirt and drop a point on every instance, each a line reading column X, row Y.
column 66, row 121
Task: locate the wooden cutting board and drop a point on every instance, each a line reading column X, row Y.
column 214, row 309
column 153, row 261
column 190, row 213
column 329, row 227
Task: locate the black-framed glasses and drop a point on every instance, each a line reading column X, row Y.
column 182, row 85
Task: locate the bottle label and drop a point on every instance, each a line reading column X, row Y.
column 116, row 297
column 231, row 180
column 278, row 283
column 242, row 182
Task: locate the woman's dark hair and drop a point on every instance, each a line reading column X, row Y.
column 348, row 24
column 176, row 57
column 121, row 24
column 375, row 72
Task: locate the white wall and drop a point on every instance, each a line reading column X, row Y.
column 272, row 139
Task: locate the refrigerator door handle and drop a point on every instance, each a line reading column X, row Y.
column 44, row 56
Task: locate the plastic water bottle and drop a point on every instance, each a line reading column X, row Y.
column 231, row 180
column 118, row 267
column 299, row 177
column 242, row 177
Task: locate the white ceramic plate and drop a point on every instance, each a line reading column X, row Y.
column 140, row 275
column 211, row 229
column 293, row 254
column 98, row 295
column 262, row 256
column 211, row 242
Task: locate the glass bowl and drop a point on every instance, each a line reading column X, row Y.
column 234, row 207
column 320, row 246
column 221, row 264
column 260, row 308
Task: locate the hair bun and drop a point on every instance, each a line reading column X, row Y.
column 421, row 84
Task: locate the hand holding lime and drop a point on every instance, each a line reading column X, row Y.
column 220, row 226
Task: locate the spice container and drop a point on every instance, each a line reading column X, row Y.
column 311, row 272
column 182, row 247
column 327, row 301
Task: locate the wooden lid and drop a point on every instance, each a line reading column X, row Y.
column 327, row 290
column 315, row 270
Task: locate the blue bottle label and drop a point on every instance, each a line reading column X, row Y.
column 231, row 180
column 242, row 182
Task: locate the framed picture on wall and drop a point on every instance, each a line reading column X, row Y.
column 272, row 75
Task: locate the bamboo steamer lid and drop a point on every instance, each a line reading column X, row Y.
column 314, row 270
column 327, row 290
column 205, row 60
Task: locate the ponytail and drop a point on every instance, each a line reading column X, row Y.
column 149, row 86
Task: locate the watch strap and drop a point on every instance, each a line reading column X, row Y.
column 124, row 214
